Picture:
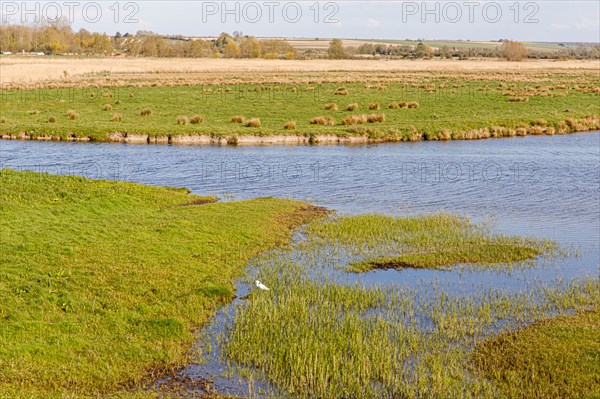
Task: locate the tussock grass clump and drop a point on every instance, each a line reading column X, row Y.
column 107, row 107
column 51, row 119
column 555, row 358
column 374, row 106
column 403, row 104
column 34, row 112
column 238, row 119
column 412, row 104
column 352, row 107
column 291, row 125
column 146, row 112
column 354, row 120
column 394, row 106
column 2, row 119
column 341, row 91
column 253, row 122
column 117, row 118
column 183, row 120
column 332, row 107
column 107, row 95
column 196, row 119
column 376, row 118
column 72, row 114
column 518, row 99
column 322, row 120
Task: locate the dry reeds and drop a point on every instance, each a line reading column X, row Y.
column 253, row 122
column 72, row 114
column 354, row 120
column 322, row 120
column 196, row 119
column 291, row 125
column 376, row 118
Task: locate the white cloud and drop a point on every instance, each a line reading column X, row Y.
column 373, row 23
column 585, row 23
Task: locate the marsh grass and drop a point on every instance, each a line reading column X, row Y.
column 110, row 295
column 466, row 113
column 313, row 336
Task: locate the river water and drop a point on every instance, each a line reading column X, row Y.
column 547, row 187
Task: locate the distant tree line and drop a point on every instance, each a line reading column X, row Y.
column 511, row 50
column 59, row 38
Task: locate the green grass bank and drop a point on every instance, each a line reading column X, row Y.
column 102, row 284
column 424, row 108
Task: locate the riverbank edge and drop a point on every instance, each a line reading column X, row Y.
column 567, row 126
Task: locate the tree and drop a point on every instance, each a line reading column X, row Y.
column 514, row 51
column 336, row 50
column 231, row 50
column 250, row 48
column 199, row 48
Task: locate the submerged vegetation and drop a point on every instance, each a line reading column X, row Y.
column 431, row 241
column 102, row 284
column 315, row 334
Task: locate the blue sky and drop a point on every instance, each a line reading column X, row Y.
column 476, row 20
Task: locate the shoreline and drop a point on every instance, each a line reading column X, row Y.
column 589, row 124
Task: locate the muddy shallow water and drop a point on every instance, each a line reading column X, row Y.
column 548, row 187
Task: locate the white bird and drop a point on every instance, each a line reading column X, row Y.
column 261, row 286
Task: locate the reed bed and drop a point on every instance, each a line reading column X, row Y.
column 314, row 336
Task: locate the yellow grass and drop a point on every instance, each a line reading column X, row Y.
column 22, row 69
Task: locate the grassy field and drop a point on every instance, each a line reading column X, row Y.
column 102, row 284
column 557, row 358
column 338, row 339
column 378, row 106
